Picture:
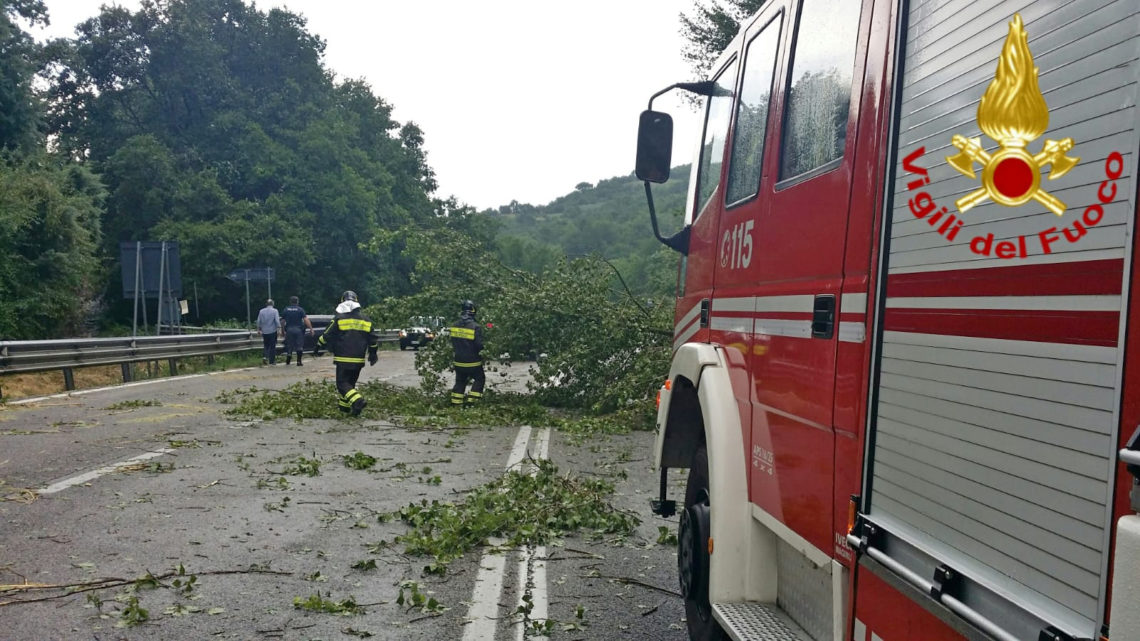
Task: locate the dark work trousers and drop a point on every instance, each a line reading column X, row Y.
column 294, row 341
column 459, row 393
column 270, row 343
column 346, row 376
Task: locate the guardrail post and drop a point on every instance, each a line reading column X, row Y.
column 173, row 362
column 209, row 359
column 126, row 372
column 68, row 379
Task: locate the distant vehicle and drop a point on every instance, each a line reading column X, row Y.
column 421, row 331
column 320, row 324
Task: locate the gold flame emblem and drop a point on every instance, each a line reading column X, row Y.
column 1013, row 112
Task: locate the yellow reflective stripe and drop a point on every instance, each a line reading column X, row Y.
column 463, row 332
column 347, row 359
column 346, row 324
column 475, row 364
column 475, row 394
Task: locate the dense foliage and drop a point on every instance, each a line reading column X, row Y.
column 49, row 228
column 251, row 155
column 604, row 347
column 49, row 207
column 711, row 27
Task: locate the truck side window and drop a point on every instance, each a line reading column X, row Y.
column 819, row 93
column 752, row 115
column 716, row 129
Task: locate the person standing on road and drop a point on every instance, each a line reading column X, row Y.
column 349, row 336
column 269, row 324
column 297, row 324
column 467, row 341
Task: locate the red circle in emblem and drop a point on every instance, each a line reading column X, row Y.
column 1013, row 177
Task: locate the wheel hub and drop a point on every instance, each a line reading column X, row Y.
column 692, row 552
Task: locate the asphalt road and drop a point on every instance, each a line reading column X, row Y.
column 203, row 491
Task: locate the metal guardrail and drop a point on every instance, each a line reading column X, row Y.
column 65, row 354
column 39, row 356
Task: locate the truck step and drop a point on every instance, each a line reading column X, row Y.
column 757, row 622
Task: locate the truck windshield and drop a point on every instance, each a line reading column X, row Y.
column 717, row 115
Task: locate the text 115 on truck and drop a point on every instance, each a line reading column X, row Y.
column 906, row 367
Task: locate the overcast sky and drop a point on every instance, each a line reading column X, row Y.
column 518, row 100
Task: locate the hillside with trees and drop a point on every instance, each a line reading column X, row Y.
column 609, row 220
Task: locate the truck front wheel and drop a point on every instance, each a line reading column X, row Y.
column 693, row 553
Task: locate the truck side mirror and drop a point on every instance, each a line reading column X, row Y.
column 654, row 146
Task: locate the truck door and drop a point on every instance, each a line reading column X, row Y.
column 695, row 282
column 796, row 271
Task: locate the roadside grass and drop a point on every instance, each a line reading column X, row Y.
column 17, row 386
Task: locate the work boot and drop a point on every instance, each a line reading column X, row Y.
column 298, row 359
column 358, row 406
column 289, row 358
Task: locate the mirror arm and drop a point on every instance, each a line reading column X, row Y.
column 678, row 242
column 703, row 88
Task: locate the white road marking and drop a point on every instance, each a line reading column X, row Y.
column 532, row 565
column 59, row 486
column 484, row 611
column 518, row 452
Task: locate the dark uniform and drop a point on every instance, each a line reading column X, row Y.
column 294, row 317
column 349, row 336
column 467, row 341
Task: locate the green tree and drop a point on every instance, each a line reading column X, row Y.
column 213, row 117
column 19, row 111
column 710, row 28
column 605, row 348
column 49, row 231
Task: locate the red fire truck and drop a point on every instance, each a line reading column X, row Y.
column 904, row 383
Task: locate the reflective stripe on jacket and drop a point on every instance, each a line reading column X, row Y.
column 467, row 341
column 349, row 337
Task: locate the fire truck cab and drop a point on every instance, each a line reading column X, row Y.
column 903, row 381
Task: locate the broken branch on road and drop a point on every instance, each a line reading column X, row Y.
column 111, row 582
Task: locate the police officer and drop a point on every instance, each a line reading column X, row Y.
column 348, row 336
column 467, row 341
column 297, row 324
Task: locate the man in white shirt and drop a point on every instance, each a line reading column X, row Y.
column 269, row 324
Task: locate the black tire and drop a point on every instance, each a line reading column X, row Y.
column 692, row 553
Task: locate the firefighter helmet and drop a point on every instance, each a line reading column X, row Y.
column 468, row 307
column 349, row 295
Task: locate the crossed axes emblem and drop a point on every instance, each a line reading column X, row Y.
column 1012, row 167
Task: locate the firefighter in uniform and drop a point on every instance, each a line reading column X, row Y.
column 467, row 341
column 349, row 336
